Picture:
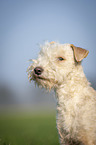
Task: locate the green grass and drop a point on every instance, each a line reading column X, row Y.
column 28, row 129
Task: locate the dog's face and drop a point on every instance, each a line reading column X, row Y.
column 55, row 62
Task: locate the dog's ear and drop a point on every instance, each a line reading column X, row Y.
column 79, row 53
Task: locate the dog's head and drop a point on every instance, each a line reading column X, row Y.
column 54, row 63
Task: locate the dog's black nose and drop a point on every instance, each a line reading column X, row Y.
column 38, row 70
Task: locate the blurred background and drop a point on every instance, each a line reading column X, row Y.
column 24, row 24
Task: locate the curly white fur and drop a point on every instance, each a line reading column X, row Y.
column 76, row 99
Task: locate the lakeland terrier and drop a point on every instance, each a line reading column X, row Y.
column 59, row 67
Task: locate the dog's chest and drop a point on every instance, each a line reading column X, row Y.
column 68, row 115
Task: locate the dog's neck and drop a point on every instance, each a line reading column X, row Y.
column 73, row 84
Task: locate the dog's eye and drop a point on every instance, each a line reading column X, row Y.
column 60, row 58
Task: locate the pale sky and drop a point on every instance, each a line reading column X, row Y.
column 26, row 23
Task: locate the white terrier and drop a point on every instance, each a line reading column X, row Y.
column 59, row 67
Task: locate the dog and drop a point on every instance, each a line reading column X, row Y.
column 58, row 67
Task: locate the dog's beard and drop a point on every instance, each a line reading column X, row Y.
column 43, row 82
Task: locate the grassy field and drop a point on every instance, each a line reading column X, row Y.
column 28, row 129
